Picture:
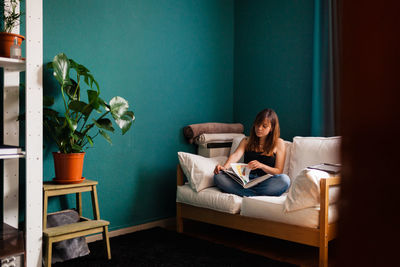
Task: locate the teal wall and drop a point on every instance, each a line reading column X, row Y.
column 173, row 61
column 178, row 62
column 273, row 48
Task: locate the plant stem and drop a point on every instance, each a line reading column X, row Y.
column 63, row 96
column 91, row 126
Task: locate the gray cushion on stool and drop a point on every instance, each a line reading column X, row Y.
column 71, row 248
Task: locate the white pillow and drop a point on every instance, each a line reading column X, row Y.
column 199, row 170
column 304, row 192
column 308, row 151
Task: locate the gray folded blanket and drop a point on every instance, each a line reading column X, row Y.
column 71, row 248
column 192, row 131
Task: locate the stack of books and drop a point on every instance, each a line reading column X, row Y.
column 7, row 150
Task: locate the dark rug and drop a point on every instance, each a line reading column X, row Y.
column 161, row 247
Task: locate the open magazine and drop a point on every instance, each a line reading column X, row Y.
column 239, row 172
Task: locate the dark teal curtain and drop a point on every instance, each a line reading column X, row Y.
column 324, row 103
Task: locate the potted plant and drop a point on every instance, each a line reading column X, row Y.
column 9, row 18
column 75, row 129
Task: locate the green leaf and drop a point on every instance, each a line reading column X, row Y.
column 71, row 123
column 48, row 101
column 72, row 90
column 118, row 106
column 61, row 69
column 105, row 135
column 77, row 106
column 48, row 112
column 119, row 111
column 76, row 148
column 79, row 135
column 75, row 137
column 49, row 65
column 90, row 140
column 93, row 97
column 126, row 120
column 105, row 124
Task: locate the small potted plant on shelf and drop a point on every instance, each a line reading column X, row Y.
column 75, row 129
column 9, row 19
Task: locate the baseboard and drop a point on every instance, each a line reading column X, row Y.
column 166, row 223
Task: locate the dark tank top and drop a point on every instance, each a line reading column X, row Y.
column 267, row 160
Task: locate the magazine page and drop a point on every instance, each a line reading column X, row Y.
column 240, row 174
column 234, row 177
column 242, row 171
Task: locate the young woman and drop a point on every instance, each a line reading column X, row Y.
column 264, row 152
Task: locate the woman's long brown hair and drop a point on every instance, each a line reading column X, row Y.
column 270, row 142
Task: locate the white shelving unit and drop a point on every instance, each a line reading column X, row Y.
column 33, row 68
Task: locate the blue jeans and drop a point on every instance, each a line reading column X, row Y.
column 274, row 186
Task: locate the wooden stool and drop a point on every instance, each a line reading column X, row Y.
column 84, row 227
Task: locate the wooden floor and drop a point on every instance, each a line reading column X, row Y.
column 302, row 255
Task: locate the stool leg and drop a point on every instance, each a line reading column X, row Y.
column 79, row 203
column 95, row 204
column 45, row 198
column 47, row 257
column 107, row 241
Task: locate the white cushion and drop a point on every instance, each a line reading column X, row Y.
column 288, row 146
column 304, row 192
column 199, row 170
column 210, row 198
column 272, row 209
column 307, row 151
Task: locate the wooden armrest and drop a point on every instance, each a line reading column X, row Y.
column 179, row 175
column 325, row 183
column 335, row 180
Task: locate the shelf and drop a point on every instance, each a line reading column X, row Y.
column 79, row 228
column 12, row 64
column 13, row 156
column 11, row 241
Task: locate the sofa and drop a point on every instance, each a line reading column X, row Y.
column 307, row 213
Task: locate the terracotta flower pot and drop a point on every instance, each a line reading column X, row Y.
column 6, row 41
column 68, row 167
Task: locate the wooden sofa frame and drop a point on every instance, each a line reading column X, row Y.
column 317, row 237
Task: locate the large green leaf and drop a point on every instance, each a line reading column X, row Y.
column 118, row 106
column 77, row 106
column 105, row 135
column 119, row 111
column 61, row 69
column 105, row 124
column 93, row 97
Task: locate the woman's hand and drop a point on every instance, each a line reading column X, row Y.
column 255, row 164
column 218, row 168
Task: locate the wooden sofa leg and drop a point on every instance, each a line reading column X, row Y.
column 323, row 252
column 179, row 220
